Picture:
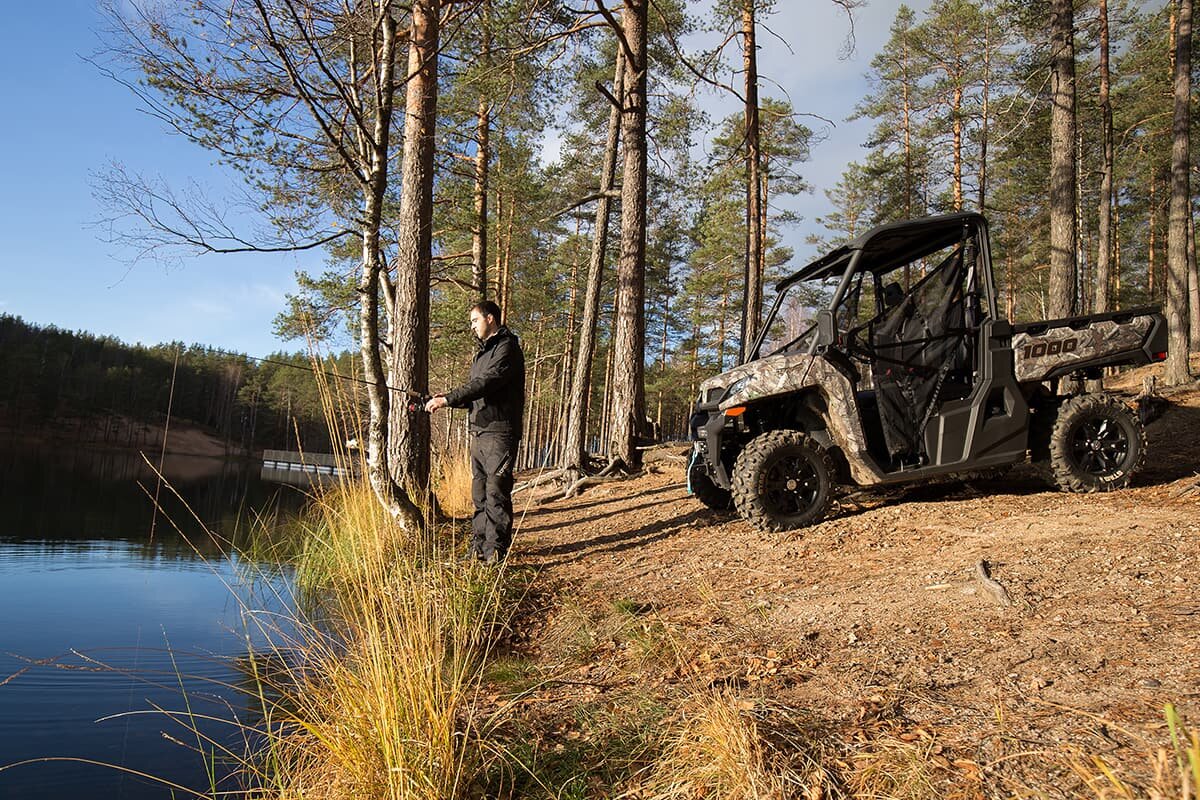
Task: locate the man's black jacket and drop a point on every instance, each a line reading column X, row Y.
column 495, row 391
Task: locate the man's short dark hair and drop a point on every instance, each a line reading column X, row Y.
column 488, row 308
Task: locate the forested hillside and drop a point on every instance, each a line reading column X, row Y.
column 85, row 387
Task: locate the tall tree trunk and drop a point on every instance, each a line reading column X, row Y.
column 1104, row 246
column 1193, row 286
column 1151, row 266
column 1010, row 299
column 957, row 127
column 751, row 279
column 533, row 412
column 568, row 360
column 909, row 187
column 1082, row 300
column 1116, row 278
column 1177, row 371
column 606, row 404
column 984, row 113
column 575, row 450
column 379, row 400
column 1062, row 161
column 479, row 234
column 504, row 289
column 721, row 332
column 408, row 445
column 500, row 208
column 629, row 403
column 662, row 353
column 483, row 155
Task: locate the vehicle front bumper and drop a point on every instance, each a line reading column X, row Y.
column 707, row 432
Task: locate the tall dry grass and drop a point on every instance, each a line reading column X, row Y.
column 372, row 692
column 718, row 746
column 453, row 483
column 1155, row 769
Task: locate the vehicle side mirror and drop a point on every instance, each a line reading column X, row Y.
column 826, row 332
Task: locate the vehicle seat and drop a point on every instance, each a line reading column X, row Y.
column 892, row 295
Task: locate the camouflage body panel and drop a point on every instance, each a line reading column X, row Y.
column 788, row 373
column 1058, row 347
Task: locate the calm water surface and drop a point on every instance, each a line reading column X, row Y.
column 101, row 622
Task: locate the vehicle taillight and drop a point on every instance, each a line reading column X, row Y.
column 1160, row 356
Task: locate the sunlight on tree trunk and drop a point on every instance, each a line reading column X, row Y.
column 1177, row 371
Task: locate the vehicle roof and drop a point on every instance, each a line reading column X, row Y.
column 889, row 246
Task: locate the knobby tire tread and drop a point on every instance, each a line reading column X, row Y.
column 1070, row 478
column 749, row 466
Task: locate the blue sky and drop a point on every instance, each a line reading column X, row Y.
column 66, row 122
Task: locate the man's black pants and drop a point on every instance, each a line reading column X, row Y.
column 492, row 459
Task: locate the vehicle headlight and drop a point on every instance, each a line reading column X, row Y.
column 736, row 387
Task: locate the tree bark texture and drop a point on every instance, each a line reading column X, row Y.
column 957, row 128
column 984, row 114
column 628, row 412
column 1177, row 371
column 1062, row 161
column 1104, row 224
column 1193, row 287
column 575, row 452
column 751, row 274
column 483, row 153
column 375, row 154
column 408, row 445
column 479, row 239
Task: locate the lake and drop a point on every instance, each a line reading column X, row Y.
column 109, row 610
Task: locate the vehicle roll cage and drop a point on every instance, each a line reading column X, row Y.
column 881, row 250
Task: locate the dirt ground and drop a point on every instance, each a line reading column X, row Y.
column 878, row 613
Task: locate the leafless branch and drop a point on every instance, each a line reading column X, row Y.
column 164, row 221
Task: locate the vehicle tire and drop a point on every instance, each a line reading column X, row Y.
column 783, row 480
column 1097, row 444
column 706, row 489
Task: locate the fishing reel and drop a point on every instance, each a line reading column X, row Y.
column 417, row 401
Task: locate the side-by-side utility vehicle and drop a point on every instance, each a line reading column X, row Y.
column 894, row 385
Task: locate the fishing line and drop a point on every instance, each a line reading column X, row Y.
column 311, row 368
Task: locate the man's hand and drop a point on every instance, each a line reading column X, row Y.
column 436, row 402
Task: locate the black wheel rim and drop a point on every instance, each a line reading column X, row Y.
column 791, row 484
column 1099, row 446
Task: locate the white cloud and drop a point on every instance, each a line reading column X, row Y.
column 211, row 308
column 265, row 294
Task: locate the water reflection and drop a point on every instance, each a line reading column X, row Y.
column 98, row 618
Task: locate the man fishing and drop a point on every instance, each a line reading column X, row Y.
column 495, row 393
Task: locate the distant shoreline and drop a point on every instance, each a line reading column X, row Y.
column 119, row 433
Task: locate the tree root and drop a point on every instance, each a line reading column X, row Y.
column 543, row 479
column 997, row 592
column 573, row 480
